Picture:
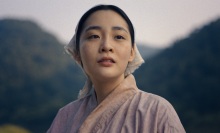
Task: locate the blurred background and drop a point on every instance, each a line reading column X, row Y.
column 179, row 40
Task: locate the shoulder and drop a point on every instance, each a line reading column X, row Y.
column 67, row 114
column 150, row 99
column 158, row 109
column 74, row 105
column 156, row 104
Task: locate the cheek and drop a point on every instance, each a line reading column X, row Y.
column 84, row 53
column 87, row 54
column 124, row 55
column 125, row 52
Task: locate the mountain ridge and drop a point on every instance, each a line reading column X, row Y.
column 188, row 75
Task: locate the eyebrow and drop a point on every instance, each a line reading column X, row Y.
column 119, row 28
column 99, row 28
column 93, row 28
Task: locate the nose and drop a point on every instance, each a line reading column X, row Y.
column 106, row 46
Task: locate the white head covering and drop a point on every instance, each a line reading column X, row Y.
column 132, row 66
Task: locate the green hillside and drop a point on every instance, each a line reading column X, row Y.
column 188, row 75
column 36, row 76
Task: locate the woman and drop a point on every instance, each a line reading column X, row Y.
column 110, row 101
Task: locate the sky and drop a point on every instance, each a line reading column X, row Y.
column 157, row 23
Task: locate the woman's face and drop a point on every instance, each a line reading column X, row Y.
column 105, row 46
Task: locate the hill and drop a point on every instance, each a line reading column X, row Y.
column 37, row 77
column 188, row 75
column 146, row 51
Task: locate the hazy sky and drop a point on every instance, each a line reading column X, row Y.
column 157, row 22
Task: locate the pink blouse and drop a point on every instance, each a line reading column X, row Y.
column 125, row 110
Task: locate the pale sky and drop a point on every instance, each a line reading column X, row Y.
column 157, row 22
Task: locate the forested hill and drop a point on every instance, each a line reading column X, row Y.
column 36, row 76
column 188, row 75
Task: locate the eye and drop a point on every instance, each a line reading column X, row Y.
column 93, row 37
column 119, row 37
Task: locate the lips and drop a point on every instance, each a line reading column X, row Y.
column 106, row 61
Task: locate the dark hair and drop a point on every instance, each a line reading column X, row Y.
column 103, row 7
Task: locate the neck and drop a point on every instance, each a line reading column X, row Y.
column 105, row 87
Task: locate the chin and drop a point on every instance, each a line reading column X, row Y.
column 109, row 76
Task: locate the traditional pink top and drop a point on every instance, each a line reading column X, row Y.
column 125, row 110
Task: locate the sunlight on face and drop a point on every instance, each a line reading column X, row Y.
column 105, row 46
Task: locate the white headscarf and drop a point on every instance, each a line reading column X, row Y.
column 132, row 66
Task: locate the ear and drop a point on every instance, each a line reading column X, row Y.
column 132, row 55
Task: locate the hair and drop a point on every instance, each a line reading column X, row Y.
column 103, row 7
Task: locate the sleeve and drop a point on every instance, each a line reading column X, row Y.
column 168, row 120
column 58, row 124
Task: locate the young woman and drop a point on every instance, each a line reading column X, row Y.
column 104, row 46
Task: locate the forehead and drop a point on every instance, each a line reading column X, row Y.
column 105, row 18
